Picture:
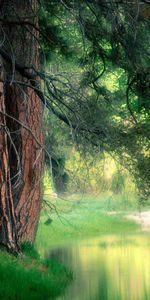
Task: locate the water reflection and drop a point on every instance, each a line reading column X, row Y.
column 108, row 268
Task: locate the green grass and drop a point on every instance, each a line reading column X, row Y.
column 81, row 218
column 28, row 277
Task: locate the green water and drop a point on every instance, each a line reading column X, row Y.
column 110, row 267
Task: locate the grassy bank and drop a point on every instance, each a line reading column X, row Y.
column 28, row 277
column 82, row 217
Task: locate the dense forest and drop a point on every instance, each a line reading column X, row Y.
column 72, row 73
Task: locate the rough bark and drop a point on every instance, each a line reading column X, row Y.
column 8, row 232
column 21, row 154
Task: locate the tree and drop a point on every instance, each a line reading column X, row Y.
column 111, row 39
column 114, row 43
column 118, row 44
column 21, row 132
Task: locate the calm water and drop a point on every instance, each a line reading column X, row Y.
column 112, row 268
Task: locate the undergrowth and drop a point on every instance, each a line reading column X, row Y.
column 28, row 277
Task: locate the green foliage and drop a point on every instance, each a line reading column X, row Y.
column 29, row 250
column 101, row 85
column 57, row 142
column 50, row 37
column 98, row 175
column 57, row 29
column 118, row 182
column 29, row 277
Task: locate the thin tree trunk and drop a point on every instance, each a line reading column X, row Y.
column 8, row 232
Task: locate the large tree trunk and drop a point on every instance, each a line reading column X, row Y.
column 21, row 150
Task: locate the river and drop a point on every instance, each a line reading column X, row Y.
column 107, row 267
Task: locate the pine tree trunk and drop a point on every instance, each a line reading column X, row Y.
column 21, row 146
column 8, row 232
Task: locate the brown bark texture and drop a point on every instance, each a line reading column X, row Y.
column 21, row 136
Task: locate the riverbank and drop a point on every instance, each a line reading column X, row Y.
column 83, row 217
column 30, row 277
column 142, row 218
